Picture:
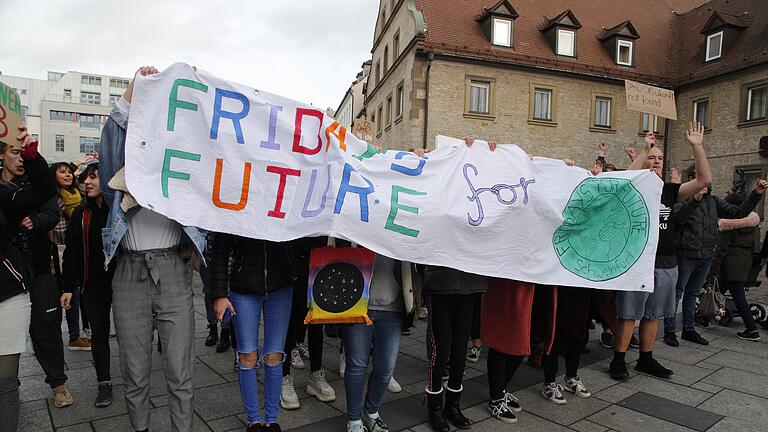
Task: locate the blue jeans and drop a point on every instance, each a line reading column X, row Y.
column 384, row 336
column 740, row 299
column 276, row 307
column 692, row 273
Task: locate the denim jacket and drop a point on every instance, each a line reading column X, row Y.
column 111, row 160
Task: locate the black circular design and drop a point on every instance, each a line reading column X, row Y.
column 338, row 287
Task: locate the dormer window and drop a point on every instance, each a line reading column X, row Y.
column 560, row 31
column 624, row 53
column 498, row 23
column 721, row 32
column 714, row 46
column 502, row 32
column 565, row 42
column 619, row 41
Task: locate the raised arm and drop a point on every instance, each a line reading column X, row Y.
column 731, row 224
column 640, row 158
column 695, row 137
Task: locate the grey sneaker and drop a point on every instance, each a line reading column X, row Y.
column 375, row 425
column 553, row 392
column 577, row 387
column 296, row 360
column 288, row 398
column 318, row 387
column 356, row 427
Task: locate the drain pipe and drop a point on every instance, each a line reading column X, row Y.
column 666, row 150
column 430, row 57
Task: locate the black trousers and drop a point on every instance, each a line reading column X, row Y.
column 501, row 369
column 97, row 301
column 45, row 328
column 297, row 329
column 476, row 316
column 450, row 319
column 571, row 350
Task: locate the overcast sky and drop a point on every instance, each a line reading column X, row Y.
column 307, row 50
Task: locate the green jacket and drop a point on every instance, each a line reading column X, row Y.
column 696, row 235
column 735, row 253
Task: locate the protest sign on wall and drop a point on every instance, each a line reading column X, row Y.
column 650, row 99
column 10, row 115
column 230, row 158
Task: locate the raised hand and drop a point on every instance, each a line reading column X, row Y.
column 143, row 71
column 695, row 133
column 760, row 186
column 650, row 140
column 631, row 153
column 675, row 176
column 601, row 147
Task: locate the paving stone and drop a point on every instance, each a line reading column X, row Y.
column 615, row 393
column 35, row 421
column 312, row 410
column 743, row 381
column 738, row 405
column 28, row 366
column 668, row 390
column 706, row 365
column 576, row 409
column 671, row 411
column 685, row 374
column 706, row 387
column 740, row 424
column 526, row 422
column 626, row 420
column 588, row 426
column 219, row 401
column 34, row 405
column 159, row 420
column 82, row 427
column 682, row 354
column 83, row 409
column 732, row 343
column 745, row 362
column 225, row 424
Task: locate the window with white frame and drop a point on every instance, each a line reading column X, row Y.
column 602, row 112
column 502, row 32
column 542, row 104
column 67, row 95
column 91, row 80
column 59, row 143
column 565, row 42
column 624, row 53
column 113, row 98
column 701, row 112
column 757, row 97
column 62, row 115
column 478, row 97
column 89, row 145
column 714, row 46
column 650, row 123
column 90, row 98
column 92, row 121
column 118, row 83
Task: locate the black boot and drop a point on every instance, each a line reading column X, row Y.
column 213, row 335
column 452, row 411
column 224, row 343
column 435, row 407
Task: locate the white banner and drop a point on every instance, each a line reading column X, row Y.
column 229, row 158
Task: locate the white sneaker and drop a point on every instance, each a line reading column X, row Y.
column 356, row 427
column 394, row 386
column 423, row 313
column 473, row 355
column 553, row 392
column 574, row 385
column 296, row 361
column 342, row 363
column 318, row 387
column 288, row 398
column 303, row 351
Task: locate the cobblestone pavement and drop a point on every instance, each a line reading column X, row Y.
column 720, row 387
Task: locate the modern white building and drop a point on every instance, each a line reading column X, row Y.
column 353, row 102
column 67, row 111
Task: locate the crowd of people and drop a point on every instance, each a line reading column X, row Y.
column 72, row 238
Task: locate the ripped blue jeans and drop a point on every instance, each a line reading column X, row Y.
column 276, row 308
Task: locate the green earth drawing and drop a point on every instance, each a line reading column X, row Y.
column 604, row 231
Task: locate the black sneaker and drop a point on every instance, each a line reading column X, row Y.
column 652, row 367
column 606, row 340
column 256, row 427
column 500, row 411
column 694, row 336
column 634, row 342
column 104, row 397
column 272, row 427
column 618, row 370
column 224, row 343
column 750, row 335
column 671, row 340
column 406, row 331
column 213, row 335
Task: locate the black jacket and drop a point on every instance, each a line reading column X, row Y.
column 77, row 252
column 258, row 266
column 697, row 234
column 443, row 280
column 735, row 253
column 15, row 272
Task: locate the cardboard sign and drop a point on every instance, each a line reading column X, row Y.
column 650, row 99
column 10, row 115
column 363, row 129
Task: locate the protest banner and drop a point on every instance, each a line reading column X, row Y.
column 363, row 129
column 10, row 115
column 229, row 158
column 650, row 99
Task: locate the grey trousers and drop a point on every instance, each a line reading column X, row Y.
column 151, row 290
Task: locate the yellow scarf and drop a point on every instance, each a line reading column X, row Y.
column 70, row 199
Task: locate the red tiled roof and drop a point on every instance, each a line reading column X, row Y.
column 668, row 50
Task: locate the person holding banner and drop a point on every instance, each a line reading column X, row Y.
column 650, row 308
column 152, row 283
column 260, row 283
